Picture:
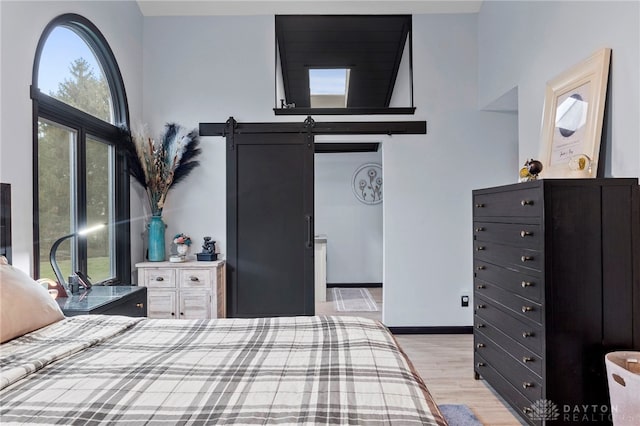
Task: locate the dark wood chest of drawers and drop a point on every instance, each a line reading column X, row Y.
column 556, row 287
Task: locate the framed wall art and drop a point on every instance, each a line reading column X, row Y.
column 573, row 117
column 367, row 183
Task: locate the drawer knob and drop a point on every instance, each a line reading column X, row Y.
column 526, row 202
column 480, row 345
column 527, row 385
column 479, row 248
column 526, row 309
column 173, row 314
column 480, row 229
column 480, row 326
column 524, row 233
column 480, row 306
column 159, row 279
column 140, row 305
column 481, row 268
column 481, row 286
column 479, row 206
column 526, row 258
column 526, row 334
column 181, row 313
column 527, row 359
column 526, row 284
column 194, row 278
column 480, row 364
column 527, row 410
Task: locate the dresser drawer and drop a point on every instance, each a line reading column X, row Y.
column 195, row 278
column 159, row 278
column 525, row 356
column 527, row 383
column 526, row 309
column 517, row 257
column 528, row 286
column 526, row 333
column 512, row 395
column 521, row 202
column 511, row 234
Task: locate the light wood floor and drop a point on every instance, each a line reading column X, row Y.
column 445, row 362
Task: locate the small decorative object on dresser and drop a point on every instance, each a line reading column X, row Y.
column 182, row 242
column 556, row 278
column 208, row 250
column 530, row 170
column 187, row 290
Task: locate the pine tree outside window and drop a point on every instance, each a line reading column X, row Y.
column 80, row 174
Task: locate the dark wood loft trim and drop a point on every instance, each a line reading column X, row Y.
column 345, row 111
column 332, row 148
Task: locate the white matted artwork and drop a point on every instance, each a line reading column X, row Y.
column 573, row 118
column 367, row 183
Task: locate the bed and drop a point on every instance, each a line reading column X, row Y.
column 97, row 369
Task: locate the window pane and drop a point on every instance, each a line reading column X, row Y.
column 100, row 205
column 55, row 195
column 69, row 71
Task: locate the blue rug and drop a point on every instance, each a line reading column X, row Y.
column 459, row 415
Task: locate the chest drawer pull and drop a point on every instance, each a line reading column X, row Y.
column 527, row 385
column 173, row 314
column 527, row 359
column 480, row 229
column 526, row 284
column 140, row 305
column 480, row 364
column 480, row 306
column 159, row 279
column 479, row 205
column 526, row 202
column 481, row 286
column 194, row 278
column 524, row 233
column 526, row 309
column 480, row 326
column 479, row 248
column 526, row 258
column 481, row 268
column 526, row 334
column 480, row 345
column 527, row 410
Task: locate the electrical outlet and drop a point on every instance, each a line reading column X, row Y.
column 464, row 301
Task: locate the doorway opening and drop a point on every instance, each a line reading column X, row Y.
column 348, row 201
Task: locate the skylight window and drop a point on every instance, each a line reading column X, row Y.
column 328, row 88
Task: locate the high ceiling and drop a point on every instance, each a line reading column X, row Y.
column 268, row 7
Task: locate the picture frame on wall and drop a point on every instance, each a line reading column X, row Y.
column 573, row 119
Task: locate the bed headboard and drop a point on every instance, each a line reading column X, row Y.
column 5, row 220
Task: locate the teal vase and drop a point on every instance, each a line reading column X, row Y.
column 156, row 239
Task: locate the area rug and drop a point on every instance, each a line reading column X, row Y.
column 353, row 300
column 459, row 415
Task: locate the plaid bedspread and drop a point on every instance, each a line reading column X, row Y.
column 302, row 370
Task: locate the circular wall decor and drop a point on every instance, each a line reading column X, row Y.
column 367, row 183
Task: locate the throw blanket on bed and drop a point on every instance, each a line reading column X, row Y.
column 302, row 370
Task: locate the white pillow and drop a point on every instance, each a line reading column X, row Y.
column 25, row 305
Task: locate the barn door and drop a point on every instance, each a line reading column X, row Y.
column 270, row 224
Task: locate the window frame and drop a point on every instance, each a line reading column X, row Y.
column 86, row 125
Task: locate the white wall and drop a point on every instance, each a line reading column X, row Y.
column 429, row 179
column 353, row 229
column 524, row 44
column 22, row 24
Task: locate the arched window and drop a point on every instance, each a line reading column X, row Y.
column 80, row 174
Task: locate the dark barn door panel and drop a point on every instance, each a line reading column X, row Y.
column 270, row 224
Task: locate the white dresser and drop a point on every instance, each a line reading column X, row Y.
column 186, row 290
column 320, row 261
